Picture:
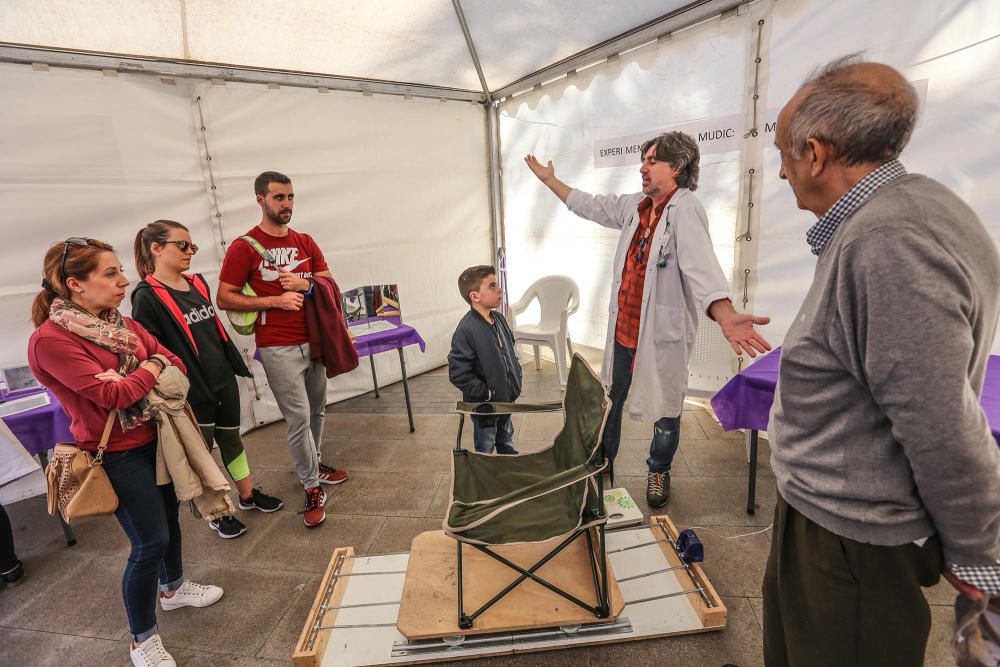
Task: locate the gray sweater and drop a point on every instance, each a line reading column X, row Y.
column 876, row 430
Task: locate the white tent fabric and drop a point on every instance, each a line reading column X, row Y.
column 952, row 47
column 394, row 190
column 398, row 190
column 396, row 40
column 698, row 75
column 707, row 72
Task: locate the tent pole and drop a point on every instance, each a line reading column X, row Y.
column 175, row 68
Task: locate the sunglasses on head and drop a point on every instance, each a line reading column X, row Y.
column 184, row 246
column 75, row 240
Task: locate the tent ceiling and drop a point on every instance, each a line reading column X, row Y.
column 393, row 40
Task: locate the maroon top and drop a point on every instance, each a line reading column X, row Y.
column 66, row 364
column 329, row 341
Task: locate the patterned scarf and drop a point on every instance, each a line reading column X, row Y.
column 109, row 331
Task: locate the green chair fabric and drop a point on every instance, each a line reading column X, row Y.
column 539, row 496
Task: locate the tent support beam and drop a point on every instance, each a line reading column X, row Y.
column 24, row 54
column 685, row 17
column 472, row 48
column 492, row 142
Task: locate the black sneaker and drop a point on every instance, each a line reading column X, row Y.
column 261, row 501
column 657, row 489
column 227, row 527
column 13, row 574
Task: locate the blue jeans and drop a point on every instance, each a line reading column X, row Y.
column 495, row 431
column 666, row 430
column 148, row 515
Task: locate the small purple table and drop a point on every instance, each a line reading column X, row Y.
column 39, row 430
column 368, row 345
column 745, row 402
column 382, row 341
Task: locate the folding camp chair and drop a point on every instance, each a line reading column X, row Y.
column 553, row 493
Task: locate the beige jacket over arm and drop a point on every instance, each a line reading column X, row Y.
column 182, row 457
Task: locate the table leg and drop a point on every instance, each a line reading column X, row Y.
column 43, row 458
column 752, row 485
column 406, row 390
column 371, row 358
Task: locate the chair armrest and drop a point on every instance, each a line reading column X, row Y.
column 487, row 408
column 522, row 304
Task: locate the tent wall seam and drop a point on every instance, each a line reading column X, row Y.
column 751, row 186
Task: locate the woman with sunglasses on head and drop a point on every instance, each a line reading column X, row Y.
column 177, row 309
column 95, row 361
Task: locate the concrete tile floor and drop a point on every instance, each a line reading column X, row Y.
column 398, row 488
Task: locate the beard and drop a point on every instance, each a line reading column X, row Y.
column 275, row 217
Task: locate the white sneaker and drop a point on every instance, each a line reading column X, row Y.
column 191, row 594
column 151, row 653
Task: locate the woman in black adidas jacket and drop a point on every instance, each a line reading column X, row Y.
column 177, row 309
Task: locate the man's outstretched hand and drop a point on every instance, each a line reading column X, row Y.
column 544, row 172
column 738, row 330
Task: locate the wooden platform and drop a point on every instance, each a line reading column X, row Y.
column 355, row 617
column 429, row 605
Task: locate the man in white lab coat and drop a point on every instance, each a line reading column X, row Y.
column 665, row 273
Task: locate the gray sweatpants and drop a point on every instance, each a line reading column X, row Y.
column 299, row 388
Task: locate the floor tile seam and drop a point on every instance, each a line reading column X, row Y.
column 441, row 480
column 66, row 634
column 122, row 634
column 281, row 617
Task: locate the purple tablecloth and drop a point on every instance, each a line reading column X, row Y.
column 391, row 339
column 40, row 429
column 381, row 341
column 745, row 401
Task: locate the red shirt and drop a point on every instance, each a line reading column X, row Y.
column 67, row 364
column 297, row 253
column 634, row 273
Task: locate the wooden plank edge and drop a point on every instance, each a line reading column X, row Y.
column 711, row 617
column 312, row 657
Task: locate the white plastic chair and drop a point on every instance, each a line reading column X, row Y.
column 558, row 297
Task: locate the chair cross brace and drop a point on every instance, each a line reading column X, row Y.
column 601, row 610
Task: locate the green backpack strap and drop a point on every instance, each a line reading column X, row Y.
column 245, row 322
column 261, row 250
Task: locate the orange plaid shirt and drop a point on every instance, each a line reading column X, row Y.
column 634, row 273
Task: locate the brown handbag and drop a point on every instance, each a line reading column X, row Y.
column 77, row 483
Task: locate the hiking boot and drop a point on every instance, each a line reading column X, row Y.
column 14, row 573
column 151, row 653
column 191, row 594
column 657, row 489
column 261, row 501
column 227, row 527
column 330, row 475
column 315, row 514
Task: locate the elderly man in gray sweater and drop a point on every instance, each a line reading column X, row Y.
column 886, row 470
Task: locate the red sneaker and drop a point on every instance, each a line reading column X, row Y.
column 315, row 514
column 329, row 475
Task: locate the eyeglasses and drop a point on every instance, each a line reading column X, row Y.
column 81, row 241
column 184, row 246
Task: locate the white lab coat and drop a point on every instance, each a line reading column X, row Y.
column 672, row 296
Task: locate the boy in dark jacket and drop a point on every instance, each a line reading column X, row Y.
column 483, row 359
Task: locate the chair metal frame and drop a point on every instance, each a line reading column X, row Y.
column 602, row 609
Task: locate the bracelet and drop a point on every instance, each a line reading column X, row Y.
column 159, row 363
